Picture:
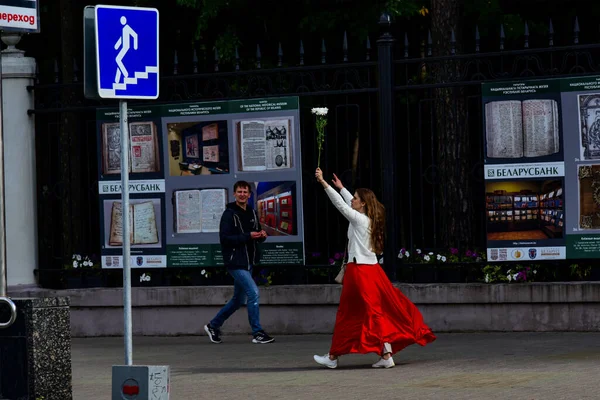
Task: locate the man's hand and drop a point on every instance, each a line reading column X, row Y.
column 263, row 234
column 256, row 235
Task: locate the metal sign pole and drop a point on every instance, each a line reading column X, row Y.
column 117, row 30
column 126, row 228
column 3, row 279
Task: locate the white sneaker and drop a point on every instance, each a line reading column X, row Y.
column 326, row 361
column 389, row 363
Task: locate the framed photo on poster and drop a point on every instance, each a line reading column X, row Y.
column 191, row 147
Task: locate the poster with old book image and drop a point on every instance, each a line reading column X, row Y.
column 264, row 144
column 589, row 125
column 522, row 122
column 198, row 210
column 111, row 148
column 144, row 147
column 517, row 129
column 144, row 223
column 144, row 154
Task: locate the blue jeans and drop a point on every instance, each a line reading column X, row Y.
column 244, row 288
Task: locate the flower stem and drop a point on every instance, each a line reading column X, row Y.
column 319, row 158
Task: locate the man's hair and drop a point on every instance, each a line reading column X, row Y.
column 243, row 185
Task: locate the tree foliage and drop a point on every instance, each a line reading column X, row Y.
column 229, row 23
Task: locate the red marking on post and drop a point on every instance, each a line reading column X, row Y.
column 131, row 390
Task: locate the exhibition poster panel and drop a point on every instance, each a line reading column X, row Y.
column 524, row 148
column 184, row 161
column 581, row 116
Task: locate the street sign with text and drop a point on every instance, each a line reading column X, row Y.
column 19, row 16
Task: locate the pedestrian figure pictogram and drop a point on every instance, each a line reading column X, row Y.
column 123, row 43
column 127, row 52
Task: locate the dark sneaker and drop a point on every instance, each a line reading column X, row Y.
column 262, row 337
column 213, row 334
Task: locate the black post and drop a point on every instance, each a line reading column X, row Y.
column 387, row 129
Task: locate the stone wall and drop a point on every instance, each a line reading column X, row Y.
column 571, row 306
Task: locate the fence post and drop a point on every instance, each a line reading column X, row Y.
column 387, row 129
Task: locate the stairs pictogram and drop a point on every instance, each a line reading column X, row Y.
column 133, row 81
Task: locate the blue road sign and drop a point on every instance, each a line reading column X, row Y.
column 127, row 52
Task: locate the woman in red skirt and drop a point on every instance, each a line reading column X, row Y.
column 373, row 315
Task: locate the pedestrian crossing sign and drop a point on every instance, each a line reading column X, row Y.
column 127, row 50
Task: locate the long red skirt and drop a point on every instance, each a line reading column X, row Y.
column 372, row 312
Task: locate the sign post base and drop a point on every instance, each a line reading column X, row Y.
column 140, row 382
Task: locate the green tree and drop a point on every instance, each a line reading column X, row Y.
column 232, row 23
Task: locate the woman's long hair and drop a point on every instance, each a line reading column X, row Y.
column 376, row 213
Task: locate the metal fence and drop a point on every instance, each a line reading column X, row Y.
column 413, row 118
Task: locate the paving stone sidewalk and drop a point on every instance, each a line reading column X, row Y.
column 532, row 366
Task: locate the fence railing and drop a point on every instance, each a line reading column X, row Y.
column 386, row 99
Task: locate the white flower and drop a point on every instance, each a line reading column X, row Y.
column 431, row 253
column 203, row 272
column 535, row 271
column 418, row 251
column 487, row 278
column 515, row 276
column 86, row 264
column 443, row 258
column 407, row 254
column 320, row 111
column 400, row 255
column 78, row 257
column 426, row 258
column 145, row 278
column 439, row 257
column 509, row 277
column 75, row 256
column 75, row 264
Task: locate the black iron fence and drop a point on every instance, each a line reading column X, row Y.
column 402, row 121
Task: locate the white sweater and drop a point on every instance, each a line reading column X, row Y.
column 359, row 231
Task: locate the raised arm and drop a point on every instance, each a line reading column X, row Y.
column 348, row 212
column 343, row 191
column 346, row 195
